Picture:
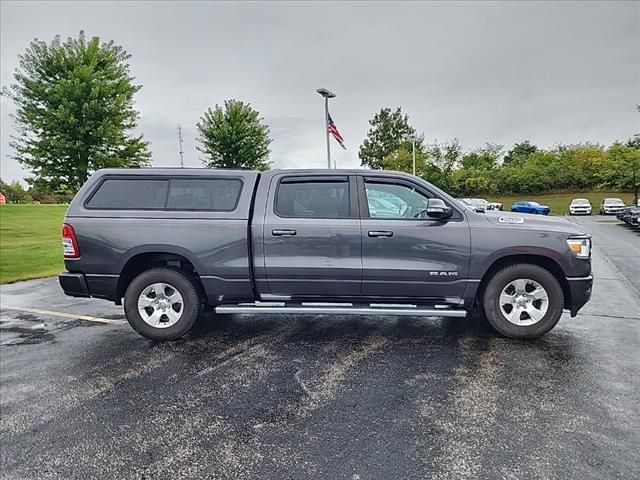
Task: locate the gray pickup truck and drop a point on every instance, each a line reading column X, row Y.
column 168, row 243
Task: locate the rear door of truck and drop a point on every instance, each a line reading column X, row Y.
column 311, row 237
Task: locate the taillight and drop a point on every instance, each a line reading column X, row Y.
column 69, row 242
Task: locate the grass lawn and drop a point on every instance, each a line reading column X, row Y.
column 559, row 202
column 30, row 241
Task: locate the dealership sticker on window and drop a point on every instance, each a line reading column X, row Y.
column 510, row 220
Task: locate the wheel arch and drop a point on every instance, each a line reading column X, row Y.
column 543, row 261
column 141, row 260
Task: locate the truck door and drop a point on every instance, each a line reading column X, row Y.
column 312, row 238
column 405, row 254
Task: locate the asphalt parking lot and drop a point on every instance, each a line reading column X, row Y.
column 83, row 396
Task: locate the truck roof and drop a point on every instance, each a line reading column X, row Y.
column 211, row 171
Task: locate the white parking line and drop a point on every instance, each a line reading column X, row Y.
column 73, row 316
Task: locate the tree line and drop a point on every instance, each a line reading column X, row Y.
column 75, row 114
column 490, row 170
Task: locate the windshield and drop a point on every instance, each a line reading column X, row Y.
column 580, row 201
column 613, row 201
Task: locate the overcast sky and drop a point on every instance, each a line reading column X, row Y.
column 482, row 72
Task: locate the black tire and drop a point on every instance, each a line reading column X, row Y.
column 500, row 280
column 190, row 310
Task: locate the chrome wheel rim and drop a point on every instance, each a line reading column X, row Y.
column 160, row 305
column 524, row 302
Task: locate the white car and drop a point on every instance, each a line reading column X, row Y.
column 611, row 206
column 580, row 206
column 481, row 205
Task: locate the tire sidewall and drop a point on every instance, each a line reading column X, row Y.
column 182, row 283
column 491, row 300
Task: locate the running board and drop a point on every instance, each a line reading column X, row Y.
column 340, row 309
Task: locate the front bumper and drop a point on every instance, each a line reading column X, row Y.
column 580, row 289
column 580, row 211
column 74, row 284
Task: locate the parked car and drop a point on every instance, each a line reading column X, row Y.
column 580, row 206
column 380, row 206
column 477, row 204
column 530, row 207
column 629, row 215
column 481, row 205
column 167, row 243
column 611, row 206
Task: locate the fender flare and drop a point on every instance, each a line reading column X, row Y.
column 160, row 248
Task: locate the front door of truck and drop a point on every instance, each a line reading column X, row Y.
column 311, row 236
column 406, row 254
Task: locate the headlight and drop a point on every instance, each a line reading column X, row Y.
column 580, row 247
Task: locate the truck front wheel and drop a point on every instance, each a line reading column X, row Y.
column 523, row 301
column 162, row 304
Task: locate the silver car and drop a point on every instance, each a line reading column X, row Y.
column 611, row 206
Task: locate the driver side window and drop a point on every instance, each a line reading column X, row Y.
column 388, row 200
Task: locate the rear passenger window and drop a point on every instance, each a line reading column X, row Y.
column 131, row 194
column 313, row 199
column 219, row 194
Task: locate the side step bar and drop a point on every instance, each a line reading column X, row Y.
column 340, row 309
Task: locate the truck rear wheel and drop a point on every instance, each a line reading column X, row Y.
column 523, row 301
column 162, row 304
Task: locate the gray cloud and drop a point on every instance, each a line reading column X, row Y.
column 498, row 72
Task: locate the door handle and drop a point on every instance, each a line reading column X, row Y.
column 380, row 233
column 283, row 233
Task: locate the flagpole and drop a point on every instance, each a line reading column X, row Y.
column 326, row 129
column 327, row 95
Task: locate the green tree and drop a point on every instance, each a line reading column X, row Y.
column 401, row 160
column 14, row 192
column 622, row 167
column 519, row 153
column 581, row 165
column 388, row 130
column 234, row 137
column 485, row 158
column 446, row 156
column 75, row 112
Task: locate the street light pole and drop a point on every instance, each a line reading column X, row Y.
column 326, row 129
column 327, row 95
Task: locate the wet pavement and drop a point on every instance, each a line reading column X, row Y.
column 83, row 396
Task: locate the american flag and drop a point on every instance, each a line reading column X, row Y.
column 333, row 130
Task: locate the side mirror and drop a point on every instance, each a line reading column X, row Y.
column 436, row 208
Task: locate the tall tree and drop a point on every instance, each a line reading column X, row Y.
column 234, row 137
column 446, row 157
column 388, row 131
column 75, row 112
column 519, row 153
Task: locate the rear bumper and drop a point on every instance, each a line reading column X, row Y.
column 580, row 289
column 74, row 284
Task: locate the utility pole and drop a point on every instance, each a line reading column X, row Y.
column 327, row 95
column 180, row 146
column 413, row 145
